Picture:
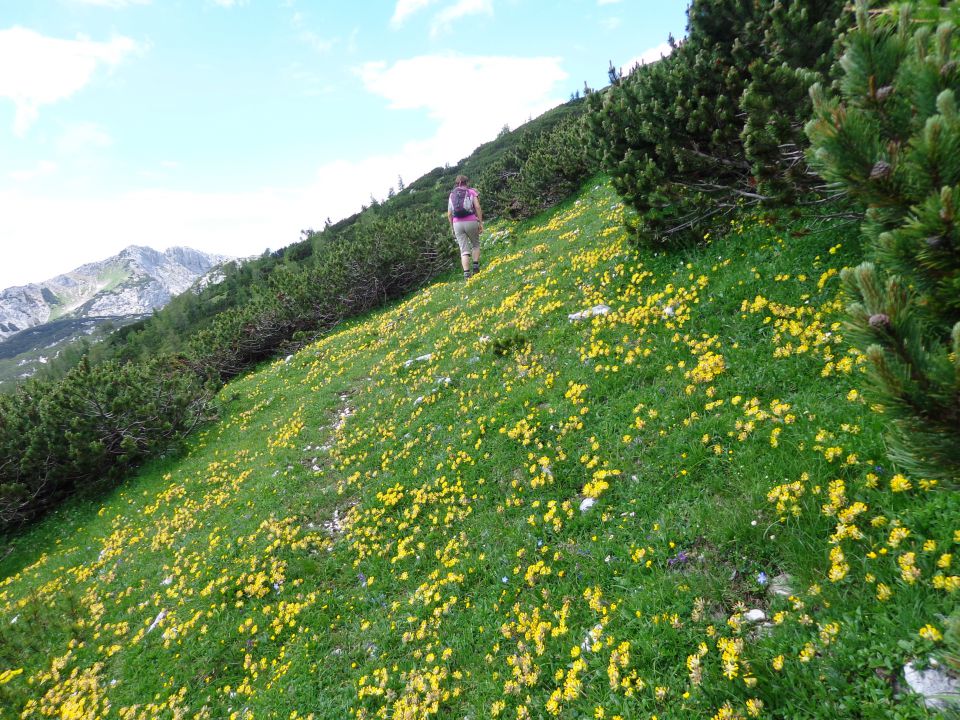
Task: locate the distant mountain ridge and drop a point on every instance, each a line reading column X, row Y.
column 134, row 282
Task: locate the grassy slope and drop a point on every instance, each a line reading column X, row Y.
column 389, row 525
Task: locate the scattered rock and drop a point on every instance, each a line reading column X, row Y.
column 754, row 616
column 587, row 503
column 422, row 358
column 334, row 526
column 782, row 585
column 342, row 418
column 600, row 309
column 765, row 629
column 157, row 620
column 591, row 638
column 288, row 358
column 938, row 689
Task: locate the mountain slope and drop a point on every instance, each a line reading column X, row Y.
column 555, row 490
column 134, row 282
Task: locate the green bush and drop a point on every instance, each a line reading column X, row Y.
column 60, row 438
column 718, row 123
column 540, row 171
column 891, row 139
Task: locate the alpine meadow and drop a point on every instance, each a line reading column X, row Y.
column 687, row 446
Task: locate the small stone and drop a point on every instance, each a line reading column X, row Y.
column 938, row 689
column 600, row 309
column 421, row 358
column 591, row 638
column 157, row 620
column 781, row 585
column 754, row 616
column 587, row 503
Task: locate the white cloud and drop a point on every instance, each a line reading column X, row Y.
column 647, row 56
column 309, row 37
column 486, row 87
column 443, row 20
column 111, row 3
column 50, row 69
column 229, row 3
column 406, row 8
column 83, row 137
column 44, row 167
column 607, row 2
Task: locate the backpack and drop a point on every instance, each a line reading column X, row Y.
column 462, row 202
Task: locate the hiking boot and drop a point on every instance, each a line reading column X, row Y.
column 466, row 274
column 476, row 266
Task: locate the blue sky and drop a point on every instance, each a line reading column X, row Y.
column 230, row 125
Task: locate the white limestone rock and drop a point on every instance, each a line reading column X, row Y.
column 938, row 688
column 782, row 585
column 600, row 309
column 422, row 358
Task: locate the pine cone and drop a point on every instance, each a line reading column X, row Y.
column 879, row 321
column 882, row 170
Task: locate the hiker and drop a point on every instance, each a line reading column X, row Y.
column 466, row 218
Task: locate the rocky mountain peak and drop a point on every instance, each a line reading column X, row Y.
column 135, row 281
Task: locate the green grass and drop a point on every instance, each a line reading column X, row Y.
column 388, row 524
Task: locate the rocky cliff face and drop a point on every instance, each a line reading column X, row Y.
column 134, row 282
